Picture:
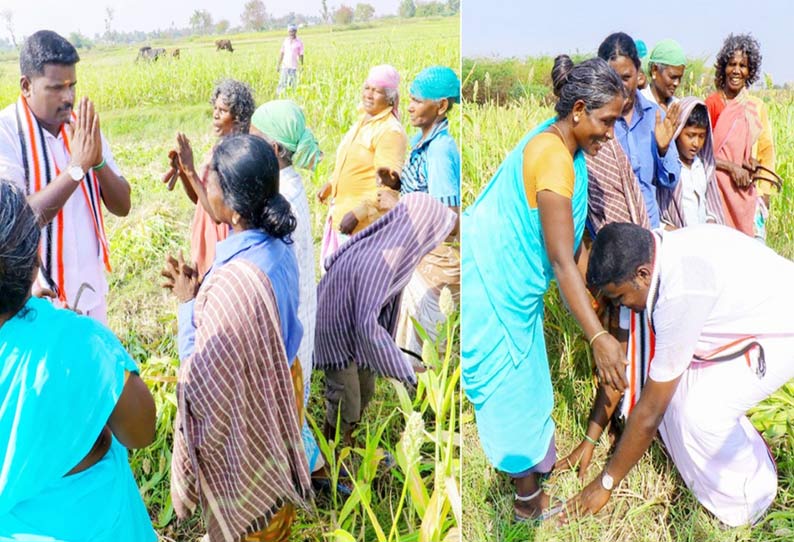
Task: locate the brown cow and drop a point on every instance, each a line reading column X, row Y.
column 175, row 53
column 224, row 45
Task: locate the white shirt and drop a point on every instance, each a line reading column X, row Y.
column 693, row 192
column 82, row 256
column 291, row 187
column 708, row 295
column 648, row 93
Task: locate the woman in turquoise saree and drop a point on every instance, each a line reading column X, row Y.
column 523, row 231
column 71, row 403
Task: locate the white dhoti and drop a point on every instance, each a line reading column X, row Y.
column 723, row 460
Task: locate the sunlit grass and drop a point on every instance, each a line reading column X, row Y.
column 652, row 504
column 141, row 107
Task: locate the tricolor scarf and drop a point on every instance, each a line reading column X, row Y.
column 40, row 170
column 639, row 355
column 642, row 343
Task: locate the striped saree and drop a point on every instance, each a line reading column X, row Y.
column 237, row 443
column 358, row 299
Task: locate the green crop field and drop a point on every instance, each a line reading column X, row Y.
column 142, row 106
column 504, row 101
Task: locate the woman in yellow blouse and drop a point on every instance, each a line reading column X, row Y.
column 377, row 141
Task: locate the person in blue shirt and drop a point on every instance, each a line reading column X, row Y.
column 239, row 329
column 433, row 167
column 262, row 222
column 434, row 163
column 645, row 133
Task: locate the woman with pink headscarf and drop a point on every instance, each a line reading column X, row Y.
column 370, row 155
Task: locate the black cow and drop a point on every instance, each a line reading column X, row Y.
column 224, row 45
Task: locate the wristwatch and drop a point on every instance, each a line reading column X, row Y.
column 76, row 173
column 607, row 482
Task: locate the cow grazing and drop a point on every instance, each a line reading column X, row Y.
column 175, row 53
column 224, row 45
column 148, row 53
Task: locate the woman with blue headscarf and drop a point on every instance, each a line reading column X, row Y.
column 524, row 230
column 433, row 167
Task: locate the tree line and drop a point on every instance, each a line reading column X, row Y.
column 254, row 18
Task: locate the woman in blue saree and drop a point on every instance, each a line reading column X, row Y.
column 523, row 231
column 71, row 403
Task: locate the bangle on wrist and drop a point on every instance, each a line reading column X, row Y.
column 99, row 166
column 590, row 440
column 597, row 335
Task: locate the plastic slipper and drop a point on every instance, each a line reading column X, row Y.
column 548, row 513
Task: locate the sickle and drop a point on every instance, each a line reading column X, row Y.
column 80, row 291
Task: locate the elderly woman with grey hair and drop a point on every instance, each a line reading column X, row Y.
column 232, row 107
column 743, row 144
column 66, row 475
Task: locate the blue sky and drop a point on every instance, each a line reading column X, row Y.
column 517, row 29
column 87, row 16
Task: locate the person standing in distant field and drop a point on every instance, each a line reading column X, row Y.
column 291, row 53
column 53, row 149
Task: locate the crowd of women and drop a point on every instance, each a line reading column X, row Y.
column 613, row 152
column 252, row 321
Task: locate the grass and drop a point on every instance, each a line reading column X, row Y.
column 652, row 504
column 141, row 107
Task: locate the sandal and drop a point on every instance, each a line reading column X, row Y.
column 557, row 505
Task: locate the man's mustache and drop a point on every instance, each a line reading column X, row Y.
column 67, row 107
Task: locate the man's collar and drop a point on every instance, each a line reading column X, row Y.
column 643, row 103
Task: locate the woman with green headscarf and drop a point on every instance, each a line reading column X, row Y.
column 282, row 124
column 666, row 65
